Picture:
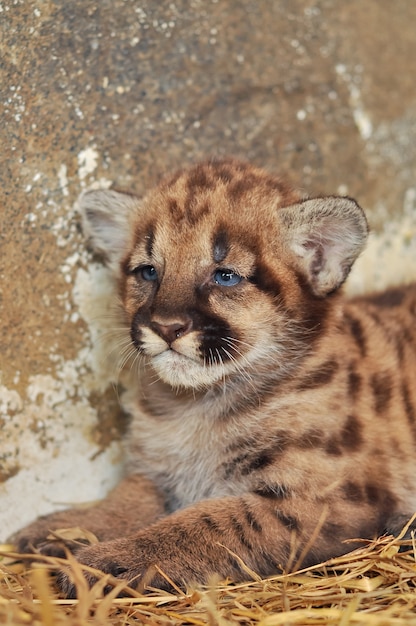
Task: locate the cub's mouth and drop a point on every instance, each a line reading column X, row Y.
column 186, row 361
column 180, row 370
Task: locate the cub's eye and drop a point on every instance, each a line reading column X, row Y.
column 147, row 272
column 227, row 278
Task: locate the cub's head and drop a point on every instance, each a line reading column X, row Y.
column 223, row 270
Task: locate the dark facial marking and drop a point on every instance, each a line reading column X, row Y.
column 216, row 344
column 149, row 238
column 264, row 278
column 322, row 375
column 223, row 172
column 198, row 180
column 238, row 188
column 221, row 247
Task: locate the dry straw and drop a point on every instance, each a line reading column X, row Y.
column 374, row 585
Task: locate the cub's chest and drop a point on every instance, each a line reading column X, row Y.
column 182, row 455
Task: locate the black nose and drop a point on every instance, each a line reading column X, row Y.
column 170, row 331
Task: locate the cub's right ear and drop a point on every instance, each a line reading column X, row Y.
column 108, row 221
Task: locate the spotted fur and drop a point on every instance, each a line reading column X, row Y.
column 269, row 409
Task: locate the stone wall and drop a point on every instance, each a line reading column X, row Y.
column 120, row 91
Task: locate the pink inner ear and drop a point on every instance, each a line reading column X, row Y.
column 326, row 235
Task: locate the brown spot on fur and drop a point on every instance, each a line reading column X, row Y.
column 408, row 336
column 289, row 521
column 333, row 446
column 382, row 391
column 391, row 298
column 199, row 179
column 310, row 439
column 357, row 332
column 241, row 533
column 223, row 172
column 274, row 492
column 312, row 309
column 239, row 188
column 322, row 375
column 354, row 382
column 331, row 530
column 174, row 209
column 384, row 501
column 251, row 519
column 409, row 408
column 198, row 213
column 211, row 524
column 353, row 491
column 373, row 493
column 351, row 434
column 250, row 460
column 264, row 458
column 399, row 341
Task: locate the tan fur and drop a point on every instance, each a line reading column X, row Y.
column 268, row 408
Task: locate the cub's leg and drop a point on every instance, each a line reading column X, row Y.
column 133, row 504
column 396, row 523
column 194, row 543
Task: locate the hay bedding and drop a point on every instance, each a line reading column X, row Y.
column 374, row 585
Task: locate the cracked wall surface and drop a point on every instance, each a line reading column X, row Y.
column 120, row 91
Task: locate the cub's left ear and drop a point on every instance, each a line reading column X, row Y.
column 108, row 218
column 326, row 235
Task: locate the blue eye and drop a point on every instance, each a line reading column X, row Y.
column 227, row 278
column 148, row 272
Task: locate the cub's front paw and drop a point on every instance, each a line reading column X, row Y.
column 39, row 538
column 122, row 559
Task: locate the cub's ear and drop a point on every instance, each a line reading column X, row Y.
column 108, row 221
column 326, row 235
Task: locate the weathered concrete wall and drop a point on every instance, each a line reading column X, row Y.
column 121, row 91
